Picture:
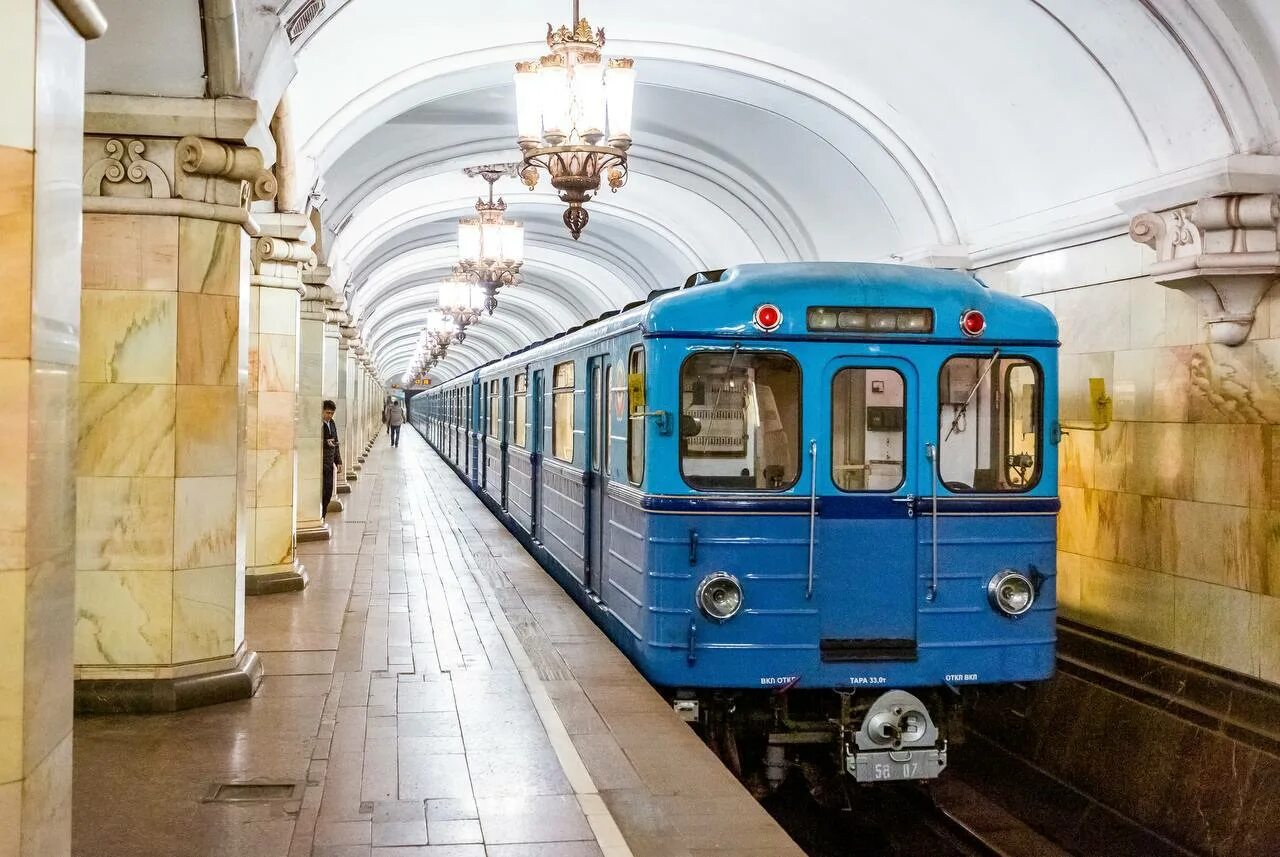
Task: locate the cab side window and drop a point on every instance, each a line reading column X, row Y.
column 990, row 424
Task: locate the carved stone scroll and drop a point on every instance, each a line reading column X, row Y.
column 200, row 156
column 1224, row 251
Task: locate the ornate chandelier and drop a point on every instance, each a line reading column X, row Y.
column 461, row 301
column 562, row 103
column 490, row 247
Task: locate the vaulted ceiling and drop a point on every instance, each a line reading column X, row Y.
column 806, row 131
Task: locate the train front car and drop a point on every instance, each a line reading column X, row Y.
column 847, row 513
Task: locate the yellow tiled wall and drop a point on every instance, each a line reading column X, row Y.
column 1170, row 525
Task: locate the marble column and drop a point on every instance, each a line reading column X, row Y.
column 280, row 256
column 311, row 523
column 351, row 381
column 161, row 517
column 343, row 417
column 41, row 111
column 358, row 426
column 333, row 317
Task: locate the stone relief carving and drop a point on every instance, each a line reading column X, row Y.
column 1224, row 251
column 125, row 161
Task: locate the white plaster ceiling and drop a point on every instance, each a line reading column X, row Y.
column 820, row 130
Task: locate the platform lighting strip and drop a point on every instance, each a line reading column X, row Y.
column 860, row 319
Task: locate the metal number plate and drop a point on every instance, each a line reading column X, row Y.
column 892, row 765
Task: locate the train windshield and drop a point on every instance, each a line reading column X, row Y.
column 740, row 421
column 990, row 420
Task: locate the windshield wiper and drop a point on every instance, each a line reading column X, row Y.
column 963, row 409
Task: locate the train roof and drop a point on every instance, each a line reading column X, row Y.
column 722, row 302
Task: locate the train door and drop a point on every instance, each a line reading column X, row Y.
column 504, row 405
column 537, row 440
column 597, row 475
column 865, row 564
column 487, row 426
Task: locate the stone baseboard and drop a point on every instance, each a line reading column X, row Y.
column 290, row 580
column 344, row 489
column 335, row 505
column 164, row 695
column 314, row 534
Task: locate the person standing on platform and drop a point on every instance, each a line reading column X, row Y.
column 331, row 453
column 394, row 418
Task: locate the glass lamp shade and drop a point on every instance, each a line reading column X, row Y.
column 553, row 85
column 490, row 241
column 528, row 102
column 455, row 294
column 469, row 240
column 620, row 91
column 589, row 98
column 436, row 321
column 512, row 242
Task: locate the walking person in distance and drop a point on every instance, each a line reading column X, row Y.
column 394, row 418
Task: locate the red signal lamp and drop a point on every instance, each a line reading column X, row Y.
column 973, row 322
column 767, row 318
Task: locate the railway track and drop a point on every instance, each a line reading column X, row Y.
column 942, row 819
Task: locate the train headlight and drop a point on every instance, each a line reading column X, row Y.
column 720, row 595
column 1011, row 592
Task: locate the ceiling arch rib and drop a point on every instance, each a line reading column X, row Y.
column 579, row 283
column 393, row 155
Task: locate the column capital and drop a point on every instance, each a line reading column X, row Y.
column 283, row 253
column 1223, row 250
column 189, row 176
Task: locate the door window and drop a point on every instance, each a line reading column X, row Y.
column 521, row 409
column 990, row 423
column 562, row 391
column 740, row 420
column 868, row 427
column 635, row 415
column 495, row 415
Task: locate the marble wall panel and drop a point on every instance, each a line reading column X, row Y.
column 50, row 616
column 1217, row 624
column 204, row 521
column 274, row 471
column 13, row 586
column 210, row 257
column 1227, row 465
column 208, row 330
column 46, row 803
column 18, row 47
column 124, row 618
column 204, row 613
column 276, row 420
column 273, row 535
column 207, row 436
column 131, row 252
column 14, row 387
column 276, row 358
column 1267, row 609
column 124, row 523
column 126, row 430
column 17, row 191
column 276, row 311
column 128, row 337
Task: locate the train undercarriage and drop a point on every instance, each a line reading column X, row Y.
column 833, row 738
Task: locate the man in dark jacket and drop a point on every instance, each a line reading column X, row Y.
column 331, row 452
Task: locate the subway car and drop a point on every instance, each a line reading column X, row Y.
column 815, row 504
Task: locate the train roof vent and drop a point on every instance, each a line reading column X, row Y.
column 701, row 278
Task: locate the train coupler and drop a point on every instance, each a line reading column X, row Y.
column 896, row 741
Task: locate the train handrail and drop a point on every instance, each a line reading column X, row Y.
column 813, row 508
column 931, row 453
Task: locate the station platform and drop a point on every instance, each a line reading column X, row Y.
column 431, row 693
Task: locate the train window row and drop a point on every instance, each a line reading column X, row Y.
column 740, row 429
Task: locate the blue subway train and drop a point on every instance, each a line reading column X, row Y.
column 814, row 503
